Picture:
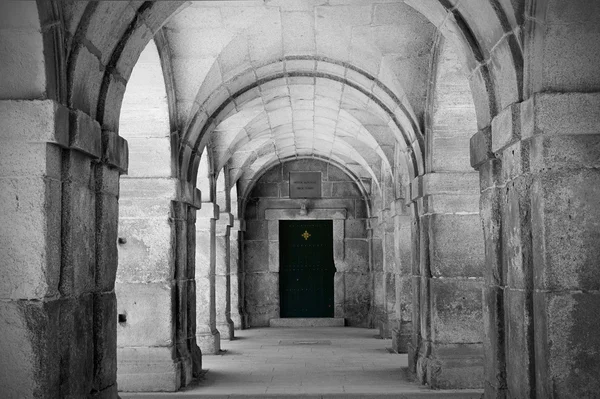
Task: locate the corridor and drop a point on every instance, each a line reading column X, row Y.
column 309, row 363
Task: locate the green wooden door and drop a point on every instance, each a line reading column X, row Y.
column 306, row 268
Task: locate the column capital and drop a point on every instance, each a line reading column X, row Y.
column 223, row 224
column 208, row 211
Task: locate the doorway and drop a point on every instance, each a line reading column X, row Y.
column 306, row 268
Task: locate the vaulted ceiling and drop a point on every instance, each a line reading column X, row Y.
column 258, row 82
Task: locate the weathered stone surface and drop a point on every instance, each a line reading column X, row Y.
column 456, row 310
column 29, row 212
column 358, row 299
column 30, row 334
column 566, row 342
column 256, row 256
column 454, row 366
column 356, row 259
column 105, row 349
column 454, row 254
column 519, row 341
column 147, row 310
column 262, row 298
column 148, row 369
column 565, row 211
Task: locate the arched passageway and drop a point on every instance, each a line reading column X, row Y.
column 390, row 91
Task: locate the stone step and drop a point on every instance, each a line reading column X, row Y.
column 299, row 322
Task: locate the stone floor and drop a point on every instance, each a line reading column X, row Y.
column 307, row 363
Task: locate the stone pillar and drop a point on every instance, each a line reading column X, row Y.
column 401, row 249
column 385, row 278
column 58, row 211
column 207, row 335
column 541, row 215
column 235, row 276
column 451, row 269
column 154, row 280
column 222, row 276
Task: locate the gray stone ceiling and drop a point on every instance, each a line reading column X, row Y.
column 258, row 82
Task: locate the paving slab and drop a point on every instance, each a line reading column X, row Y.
column 314, row 362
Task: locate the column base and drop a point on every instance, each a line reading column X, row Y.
column 452, row 366
column 238, row 321
column 400, row 340
column 226, row 330
column 145, row 369
column 209, row 343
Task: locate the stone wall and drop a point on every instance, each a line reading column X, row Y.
column 342, row 201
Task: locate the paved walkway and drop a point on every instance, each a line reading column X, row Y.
column 340, row 362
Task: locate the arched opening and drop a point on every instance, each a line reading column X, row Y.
column 530, row 68
column 154, row 341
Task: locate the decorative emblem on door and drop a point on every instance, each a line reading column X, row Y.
column 306, row 234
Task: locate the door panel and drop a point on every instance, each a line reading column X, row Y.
column 306, row 268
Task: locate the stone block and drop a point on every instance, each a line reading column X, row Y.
column 404, row 299
column 146, row 309
column 565, row 216
column 258, row 230
column 455, row 366
column 20, row 48
column 355, row 228
column 34, row 121
column 516, row 240
column 274, row 256
column 451, row 153
column 256, row 256
column 481, row 147
column 376, row 255
column 401, row 337
column 265, row 190
column 452, row 254
column 570, row 151
column 78, row 237
column 567, row 343
column 345, row 190
column 519, row 342
column 107, row 180
column 30, row 348
column 456, row 306
column 148, row 369
column 205, row 308
column 494, row 354
column 85, row 134
column 105, row 347
column 76, row 344
column 262, row 297
column 115, row 151
column 357, row 256
column 106, row 242
column 148, row 253
column 358, row 299
column 30, row 213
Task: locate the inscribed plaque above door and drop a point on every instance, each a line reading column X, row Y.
column 305, row 184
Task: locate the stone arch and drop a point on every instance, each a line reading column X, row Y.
column 264, row 207
column 147, row 261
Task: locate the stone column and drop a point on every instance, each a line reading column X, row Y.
column 401, row 249
column 222, row 276
column 58, row 212
column 234, row 275
column 451, row 269
column 207, row 335
column 541, row 215
column 153, row 282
